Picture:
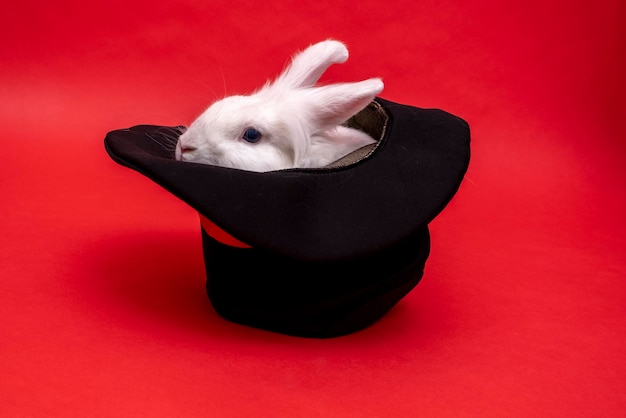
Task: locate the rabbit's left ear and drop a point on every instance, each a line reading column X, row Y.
column 309, row 65
column 334, row 104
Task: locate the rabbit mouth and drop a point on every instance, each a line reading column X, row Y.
column 183, row 150
column 187, row 148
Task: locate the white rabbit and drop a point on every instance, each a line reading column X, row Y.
column 286, row 124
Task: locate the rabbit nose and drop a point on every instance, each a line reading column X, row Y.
column 183, row 147
column 185, row 144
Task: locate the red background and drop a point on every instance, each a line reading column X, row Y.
column 520, row 312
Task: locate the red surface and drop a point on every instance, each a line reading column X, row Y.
column 219, row 234
column 521, row 310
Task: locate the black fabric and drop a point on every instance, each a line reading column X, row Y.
column 258, row 288
column 319, row 214
column 333, row 249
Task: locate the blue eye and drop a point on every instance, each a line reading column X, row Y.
column 252, row 135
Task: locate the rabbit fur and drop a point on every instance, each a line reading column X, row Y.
column 289, row 123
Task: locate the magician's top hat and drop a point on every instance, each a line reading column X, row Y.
column 316, row 252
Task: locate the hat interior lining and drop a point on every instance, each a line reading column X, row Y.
column 373, row 121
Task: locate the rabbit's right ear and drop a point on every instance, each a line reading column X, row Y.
column 331, row 105
column 309, row 65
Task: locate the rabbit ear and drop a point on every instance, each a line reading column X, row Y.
column 309, row 65
column 332, row 105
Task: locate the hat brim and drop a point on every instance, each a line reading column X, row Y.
column 325, row 214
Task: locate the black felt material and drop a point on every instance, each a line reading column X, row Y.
column 316, row 221
column 319, row 214
column 262, row 289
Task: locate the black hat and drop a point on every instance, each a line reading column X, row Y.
column 316, row 252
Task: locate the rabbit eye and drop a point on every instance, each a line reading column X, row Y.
column 252, row 135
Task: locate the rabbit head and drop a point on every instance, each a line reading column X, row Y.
column 288, row 123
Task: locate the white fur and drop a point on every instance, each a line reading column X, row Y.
column 299, row 122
